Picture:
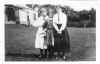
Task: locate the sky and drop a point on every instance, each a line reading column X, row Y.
column 76, row 5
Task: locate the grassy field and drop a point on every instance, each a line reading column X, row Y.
column 19, row 43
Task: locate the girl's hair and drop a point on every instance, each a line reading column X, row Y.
column 41, row 10
column 35, row 6
column 52, row 11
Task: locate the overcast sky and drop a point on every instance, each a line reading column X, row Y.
column 76, row 5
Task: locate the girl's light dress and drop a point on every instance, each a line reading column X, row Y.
column 39, row 41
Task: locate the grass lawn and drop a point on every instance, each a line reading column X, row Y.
column 20, row 40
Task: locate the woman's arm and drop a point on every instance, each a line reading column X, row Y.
column 55, row 20
column 36, row 15
column 64, row 22
column 55, row 26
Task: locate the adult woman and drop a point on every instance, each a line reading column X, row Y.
column 33, row 14
column 61, row 37
column 40, row 23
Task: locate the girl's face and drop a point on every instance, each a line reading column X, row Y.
column 50, row 11
column 36, row 8
column 43, row 12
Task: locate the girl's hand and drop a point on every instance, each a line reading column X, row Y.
column 44, row 30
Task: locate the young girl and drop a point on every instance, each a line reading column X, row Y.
column 41, row 32
column 50, row 36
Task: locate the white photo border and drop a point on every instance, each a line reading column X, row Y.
column 2, row 29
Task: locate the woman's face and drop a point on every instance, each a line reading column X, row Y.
column 59, row 9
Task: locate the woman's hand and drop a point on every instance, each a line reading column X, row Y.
column 59, row 32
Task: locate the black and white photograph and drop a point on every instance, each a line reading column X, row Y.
column 50, row 32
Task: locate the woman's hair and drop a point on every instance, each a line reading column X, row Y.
column 62, row 9
column 57, row 7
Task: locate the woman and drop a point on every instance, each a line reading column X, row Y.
column 33, row 14
column 61, row 37
column 41, row 32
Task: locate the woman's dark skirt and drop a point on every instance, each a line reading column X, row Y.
column 61, row 41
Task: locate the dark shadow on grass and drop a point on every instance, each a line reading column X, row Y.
column 22, row 55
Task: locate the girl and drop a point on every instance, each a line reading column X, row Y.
column 41, row 32
column 50, row 32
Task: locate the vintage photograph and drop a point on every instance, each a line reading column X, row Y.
column 48, row 32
